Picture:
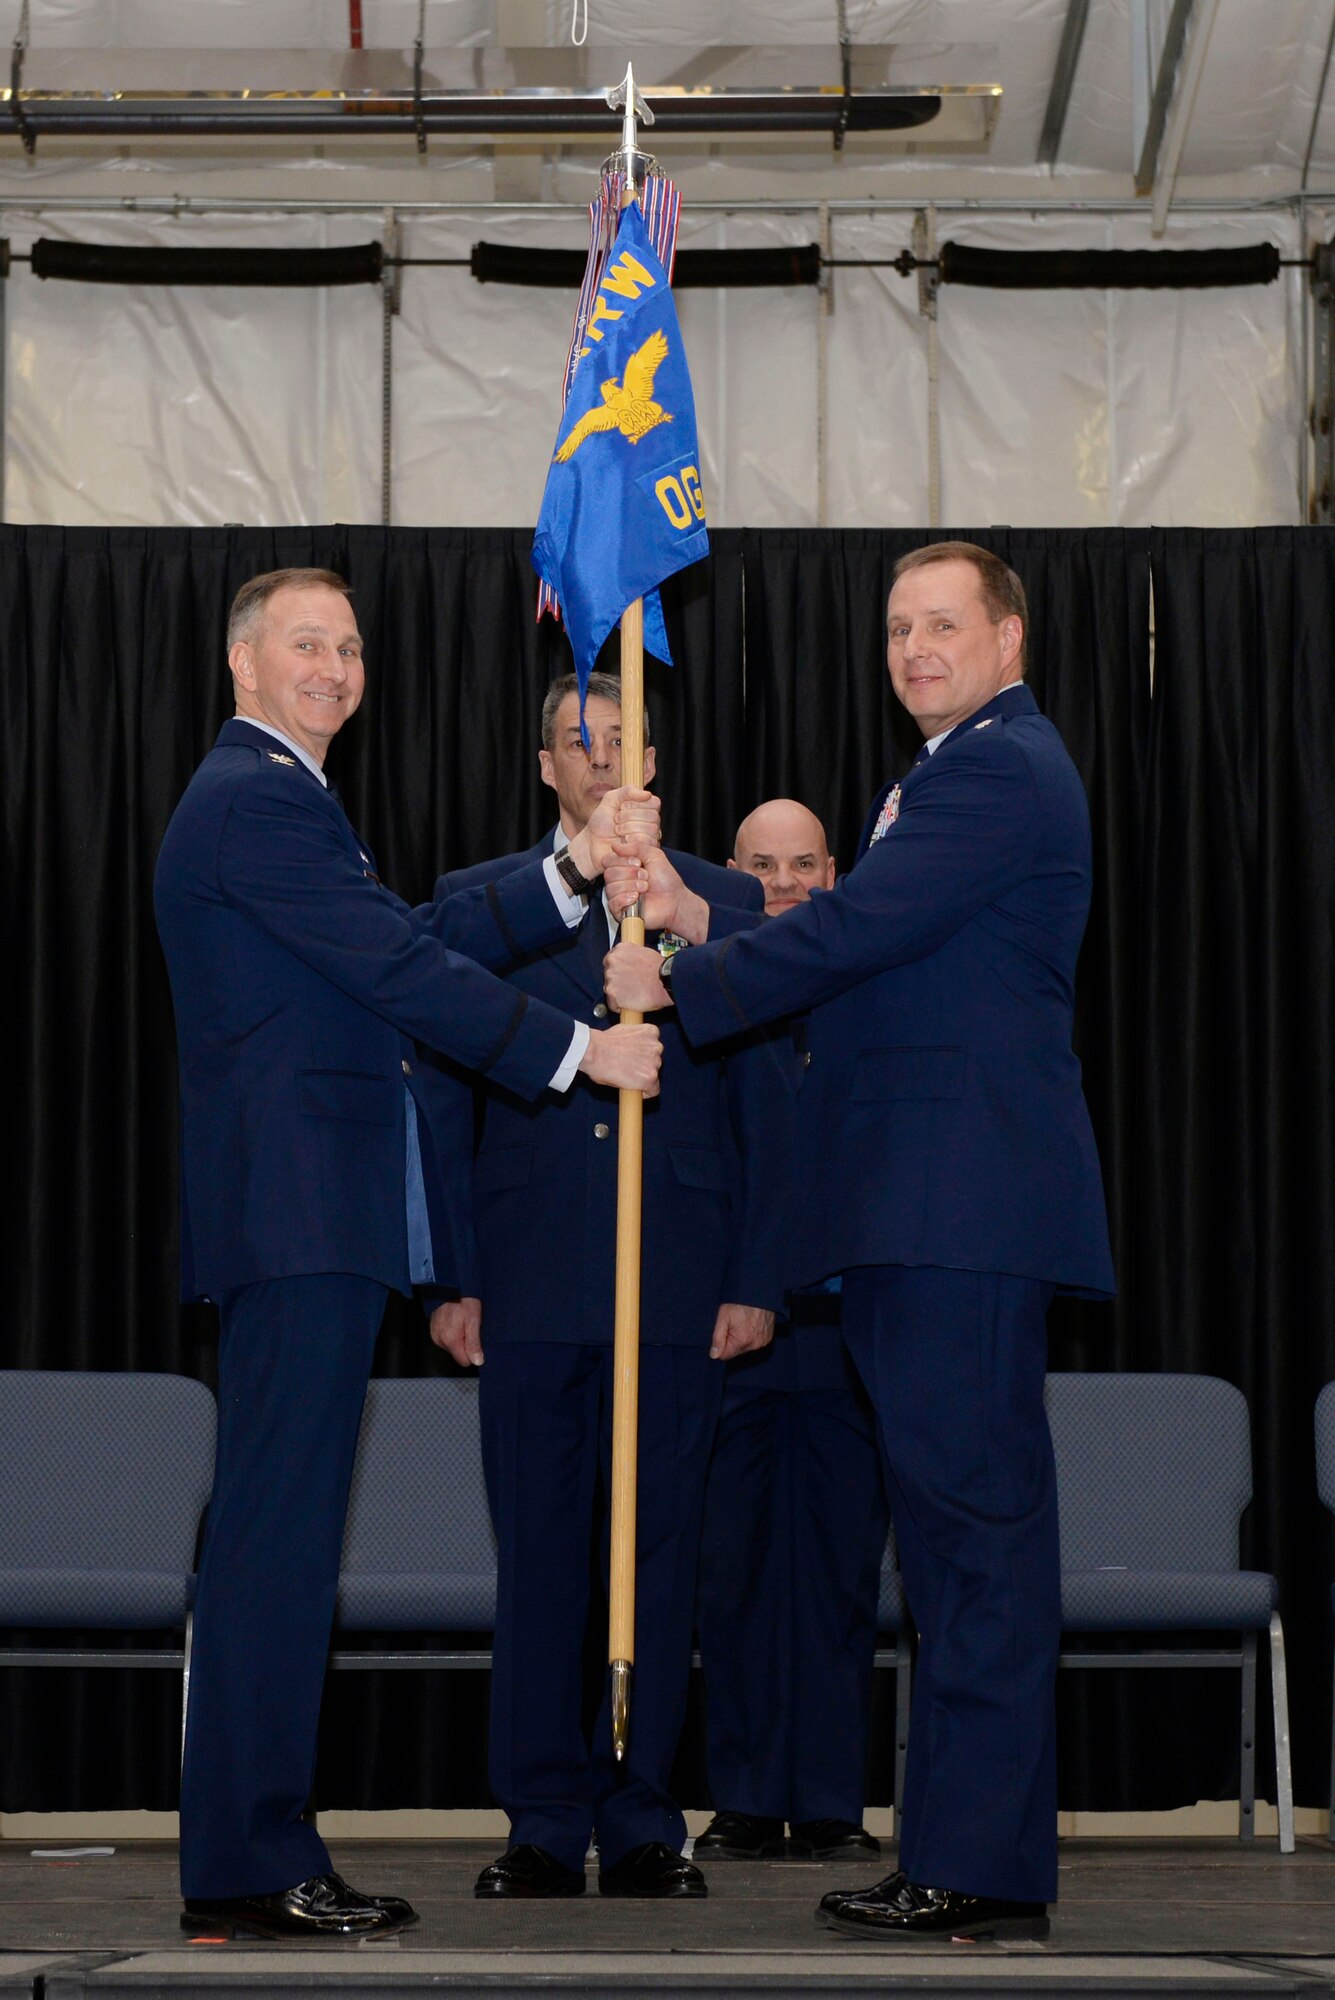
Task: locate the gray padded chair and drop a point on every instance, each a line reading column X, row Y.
column 1325, row 1486
column 419, row 1554
column 1153, row 1475
column 418, row 1551
column 103, row 1481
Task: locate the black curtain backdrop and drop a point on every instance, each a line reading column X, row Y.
column 1205, row 996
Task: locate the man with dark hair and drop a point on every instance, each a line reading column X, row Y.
column 956, row 1186
column 714, row 1172
column 795, row 1517
column 298, row 982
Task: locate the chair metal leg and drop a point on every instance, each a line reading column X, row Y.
column 1331, row 1833
column 1279, row 1695
column 1247, row 1758
column 185, row 1678
column 903, row 1703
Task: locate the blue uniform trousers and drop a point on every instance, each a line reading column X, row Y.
column 790, row 1565
column 954, row 1363
column 546, row 1410
column 293, row 1363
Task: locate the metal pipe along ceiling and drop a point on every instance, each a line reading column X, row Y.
column 289, row 115
column 122, row 93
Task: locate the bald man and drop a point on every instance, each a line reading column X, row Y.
column 795, row 1522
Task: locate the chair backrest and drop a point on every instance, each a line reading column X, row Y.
column 418, row 1549
column 101, row 1476
column 1325, row 1446
column 1153, row 1471
column 890, row 1602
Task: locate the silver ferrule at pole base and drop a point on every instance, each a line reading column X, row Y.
column 621, row 1671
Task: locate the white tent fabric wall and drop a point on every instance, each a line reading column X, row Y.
column 198, row 406
column 134, row 405
column 1115, row 409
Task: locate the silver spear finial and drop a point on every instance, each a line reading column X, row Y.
column 629, row 160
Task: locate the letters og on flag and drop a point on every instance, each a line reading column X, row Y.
column 623, row 506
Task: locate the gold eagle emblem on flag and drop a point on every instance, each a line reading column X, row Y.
column 628, row 406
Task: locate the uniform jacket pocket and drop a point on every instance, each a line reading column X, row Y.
column 502, row 1167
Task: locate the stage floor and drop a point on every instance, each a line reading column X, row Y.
column 1138, row 1917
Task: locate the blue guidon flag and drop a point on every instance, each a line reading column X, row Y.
column 623, row 506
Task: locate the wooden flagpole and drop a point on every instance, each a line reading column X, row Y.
column 630, row 1187
column 630, row 1151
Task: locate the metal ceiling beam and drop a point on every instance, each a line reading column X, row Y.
column 1317, row 107
column 1063, row 78
column 1161, row 96
column 1181, row 60
column 1199, row 29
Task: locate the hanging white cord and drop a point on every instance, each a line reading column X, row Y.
column 576, row 7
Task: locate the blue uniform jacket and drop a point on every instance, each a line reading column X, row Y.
column 715, row 1162
column 807, row 1354
column 298, row 981
column 942, row 1120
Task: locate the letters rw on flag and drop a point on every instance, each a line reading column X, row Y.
column 623, row 506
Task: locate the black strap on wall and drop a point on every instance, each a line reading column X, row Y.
column 1121, row 270
column 519, row 264
column 156, row 264
column 563, row 270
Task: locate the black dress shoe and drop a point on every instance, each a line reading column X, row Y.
column 830, row 1840
column 898, row 1908
column 529, row 1871
column 322, row 1906
column 652, row 1870
column 734, row 1836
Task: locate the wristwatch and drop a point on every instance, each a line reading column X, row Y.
column 579, row 885
column 665, row 971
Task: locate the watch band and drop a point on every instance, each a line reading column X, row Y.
column 579, row 885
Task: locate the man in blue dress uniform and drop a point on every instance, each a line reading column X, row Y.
column 299, row 982
column 714, row 1172
column 795, row 1518
column 956, row 1186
